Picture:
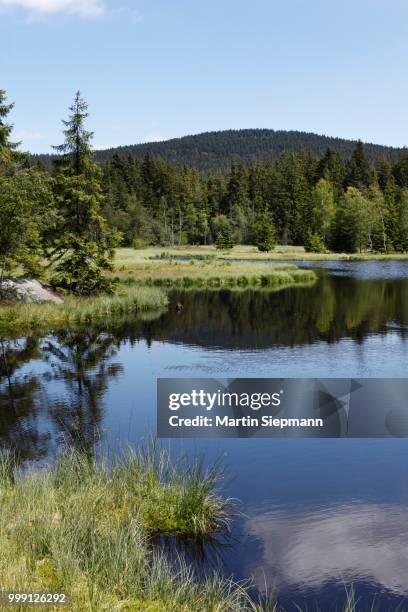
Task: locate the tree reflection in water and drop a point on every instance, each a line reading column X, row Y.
column 52, row 389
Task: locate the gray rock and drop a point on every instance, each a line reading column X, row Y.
column 29, row 291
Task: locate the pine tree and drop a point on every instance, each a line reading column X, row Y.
column 359, row 172
column 401, row 241
column 8, row 150
column 331, row 168
column 83, row 244
column 222, row 231
column 401, row 170
column 26, row 207
column 353, row 223
column 263, row 232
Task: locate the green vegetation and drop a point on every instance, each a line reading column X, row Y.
column 263, row 233
column 23, row 317
column 213, row 151
column 135, row 267
column 64, row 225
column 86, row 529
column 288, row 200
column 82, row 244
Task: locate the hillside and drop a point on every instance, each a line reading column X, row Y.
column 214, row 150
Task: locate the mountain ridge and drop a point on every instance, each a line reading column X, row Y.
column 209, row 151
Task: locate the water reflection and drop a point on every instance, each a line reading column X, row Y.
column 54, row 387
column 82, row 360
column 344, row 544
column 60, row 399
column 19, row 407
column 332, row 309
column 61, row 389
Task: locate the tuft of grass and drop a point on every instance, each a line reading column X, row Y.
column 84, row 527
column 79, row 310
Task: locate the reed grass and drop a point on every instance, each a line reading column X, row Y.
column 211, row 273
column 84, row 527
column 272, row 280
column 79, row 310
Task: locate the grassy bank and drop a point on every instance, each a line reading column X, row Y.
column 75, row 310
column 128, row 257
column 142, row 268
column 141, row 274
column 85, row 529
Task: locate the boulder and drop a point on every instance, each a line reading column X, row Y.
column 29, row 291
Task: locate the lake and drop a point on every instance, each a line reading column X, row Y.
column 318, row 515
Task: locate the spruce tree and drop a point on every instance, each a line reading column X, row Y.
column 83, row 245
column 8, row 150
column 263, row 232
column 359, row 172
column 26, row 207
column 222, row 232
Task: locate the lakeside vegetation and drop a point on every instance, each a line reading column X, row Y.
column 24, row 317
column 127, row 257
column 85, row 528
column 153, row 268
column 65, row 224
column 64, row 227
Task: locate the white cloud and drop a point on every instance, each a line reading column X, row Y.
column 84, row 8
column 351, row 542
column 154, row 137
column 29, row 136
column 103, row 147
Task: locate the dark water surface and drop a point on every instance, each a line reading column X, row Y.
column 319, row 515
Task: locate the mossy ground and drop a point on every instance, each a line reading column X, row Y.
column 86, row 529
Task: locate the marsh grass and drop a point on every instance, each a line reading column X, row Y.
column 76, row 310
column 127, row 257
column 219, row 274
column 275, row 279
column 85, row 528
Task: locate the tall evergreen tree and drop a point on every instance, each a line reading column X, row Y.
column 359, row 172
column 331, row 168
column 83, row 244
column 26, row 210
column 8, row 150
column 263, row 233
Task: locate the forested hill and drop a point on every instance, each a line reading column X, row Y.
column 215, row 150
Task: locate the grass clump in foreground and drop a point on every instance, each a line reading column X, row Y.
column 84, row 528
column 79, row 310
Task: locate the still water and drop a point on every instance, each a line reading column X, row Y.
column 317, row 515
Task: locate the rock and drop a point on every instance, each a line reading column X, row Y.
column 29, row 291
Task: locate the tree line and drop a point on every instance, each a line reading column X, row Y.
column 66, row 222
column 321, row 203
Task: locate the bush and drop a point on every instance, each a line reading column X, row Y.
column 314, row 244
column 263, row 233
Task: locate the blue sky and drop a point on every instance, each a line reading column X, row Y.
column 156, row 69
